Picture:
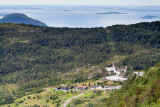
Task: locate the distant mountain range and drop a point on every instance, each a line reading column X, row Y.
column 21, row 18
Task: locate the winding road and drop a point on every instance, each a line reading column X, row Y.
column 70, row 99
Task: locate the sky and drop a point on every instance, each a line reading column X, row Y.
column 81, row 2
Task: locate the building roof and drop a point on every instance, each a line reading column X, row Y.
column 63, row 85
column 75, row 85
column 101, row 80
column 82, row 86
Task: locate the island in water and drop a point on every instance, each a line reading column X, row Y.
column 112, row 13
column 150, row 17
column 67, row 10
column 21, row 18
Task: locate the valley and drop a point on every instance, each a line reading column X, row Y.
column 95, row 66
column 51, row 96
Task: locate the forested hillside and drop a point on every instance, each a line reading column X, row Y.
column 139, row 91
column 32, row 56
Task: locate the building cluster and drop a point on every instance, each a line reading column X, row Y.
column 107, row 88
column 114, row 78
column 115, row 70
column 117, row 74
column 68, row 88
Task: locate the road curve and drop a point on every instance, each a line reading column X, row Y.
column 70, row 99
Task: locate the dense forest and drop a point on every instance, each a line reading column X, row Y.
column 32, row 57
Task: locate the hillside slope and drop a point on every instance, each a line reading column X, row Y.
column 34, row 56
column 21, row 18
column 139, row 91
column 30, row 52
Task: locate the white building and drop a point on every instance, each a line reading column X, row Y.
column 111, row 69
column 139, row 73
column 115, row 70
column 113, row 87
column 115, row 78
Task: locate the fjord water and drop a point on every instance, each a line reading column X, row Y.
column 84, row 16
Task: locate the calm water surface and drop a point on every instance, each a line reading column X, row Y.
column 84, row 16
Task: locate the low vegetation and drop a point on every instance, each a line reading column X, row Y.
column 94, row 98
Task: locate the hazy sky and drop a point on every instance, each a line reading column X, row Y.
column 83, row 2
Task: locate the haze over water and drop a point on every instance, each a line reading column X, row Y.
column 84, row 16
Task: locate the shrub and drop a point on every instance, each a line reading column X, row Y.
column 57, row 105
column 78, row 101
column 47, row 101
column 92, row 96
column 54, row 97
column 20, row 101
column 39, row 91
column 58, row 101
column 39, row 97
column 122, row 104
column 90, row 105
column 99, row 92
column 16, row 104
column 29, row 97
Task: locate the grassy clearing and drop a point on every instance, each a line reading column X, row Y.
column 46, row 98
column 94, row 98
column 52, row 98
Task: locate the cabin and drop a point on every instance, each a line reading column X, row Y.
column 82, row 87
column 64, row 87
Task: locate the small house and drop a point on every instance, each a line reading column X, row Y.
column 82, row 87
column 64, row 87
